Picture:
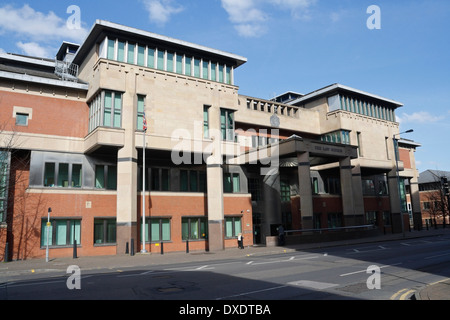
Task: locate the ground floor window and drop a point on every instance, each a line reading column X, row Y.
column 233, row 226
column 61, row 232
column 194, row 228
column 157, row 229
column 371, row 217
column 104, row 231
column 387, row 218
column 334, row 220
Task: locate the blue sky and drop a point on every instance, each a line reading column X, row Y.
column 297, row 45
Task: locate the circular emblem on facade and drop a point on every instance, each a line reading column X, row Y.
column 274, row 121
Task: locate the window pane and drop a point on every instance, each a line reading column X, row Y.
column 193, row 181
column 61, row 233
column 155, row 179
column 227, row 184
column 228, row 74
column 49, row 175
column 221, row 79
column 197, row 68
column 184, row 180
column 194, row 229
column 121, row 52
column 21, row 119
column 111, row 231
column 99, row 232
column 155, row 230
column 76, row 175
column 75, row 231
column 151, row 58
column 100, row 177
column 111, row 45
column 237, row 226
column 165, row 229
column 160, row 60
column 205, row 69
column 187, row 66
column 131, row 49
column 229, row 227
column 213, row 71
column 165, row 181
column 236, row 183
column 141, row 56
column 63, row 175
column 170, row 61
column 112, row 178
column 185, row 229
column 179, row 64
column 203, row 229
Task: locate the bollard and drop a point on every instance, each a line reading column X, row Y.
column 75, row 249
column 162, row 247
column 187, row 246
column 6, row 258
column 132, row 247
column 127, row 251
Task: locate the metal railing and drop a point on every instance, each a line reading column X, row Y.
column 368, row 226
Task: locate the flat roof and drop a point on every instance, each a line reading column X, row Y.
column 102, row 28
column 335, row 88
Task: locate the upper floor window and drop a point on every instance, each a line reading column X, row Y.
column 105, row 110
column 227, row 124
column 63, row 175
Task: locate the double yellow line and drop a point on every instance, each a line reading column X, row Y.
column 403, row 295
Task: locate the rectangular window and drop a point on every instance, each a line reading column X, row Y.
column 213, row 72
column 194, row 228
column 140, row 112
column 192, row 181
column 179, row 66
column 228, row 75
column 368, row 187
column 49, row 175
column 22, row 119
column 170, row 62
column 106, row 177
column 157, row 229
column 206, row 122
column 111, row 49
column 160, row 60
column 141, row 56
column 227, row 124
column 233, row 226
column 197, row 68
column 151, row 58
column 221, row 75
column 131, row 50
column 121, row 51
column 100, row 177
column 104, row 231
column 188, row 66
column 285, row 191
column 61, row 232
column 63, row 175
column 254, row 188
column 360, row 150
column 231, row 183
column 315, row 185
column 205, row 73
column 371, row 217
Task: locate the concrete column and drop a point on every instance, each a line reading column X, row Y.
column 348, row 204
column 272, row 204
column 358, row 197
column 305, row 190
column 214, row 173
column 394, row 198
column 415, row 202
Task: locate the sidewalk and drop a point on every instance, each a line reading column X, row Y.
column 36, row 268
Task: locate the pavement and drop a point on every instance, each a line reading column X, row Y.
column 36, row 268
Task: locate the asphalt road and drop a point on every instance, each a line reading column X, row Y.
column 339, row 273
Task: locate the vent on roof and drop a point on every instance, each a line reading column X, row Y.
column 67, row 71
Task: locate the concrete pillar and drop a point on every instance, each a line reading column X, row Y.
column 214, row 173
column 415, row 202
column 272, row 203
column 346, row 178
column 394, row 198
column 305, row 190
column 358, row 197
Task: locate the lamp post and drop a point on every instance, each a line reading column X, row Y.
column 395, row 140
column 48, row 233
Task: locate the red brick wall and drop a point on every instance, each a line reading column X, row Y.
column 52, row 116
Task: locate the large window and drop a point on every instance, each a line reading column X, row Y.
column 4, row 181
column 63, row 175
column 206, row 122
column 194, row 228
column 157, row 229
column 231, row 183
column 192, row 181
column 106, row 177
column 140, row 112
column 159, row 58
column 106, row 110
column 285, row 191
column 105, row 231
column 227, row 124
column 61, row 232
column 233, row 226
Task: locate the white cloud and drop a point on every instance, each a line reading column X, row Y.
column 250, row 18
column 419, row 117
column 160, row 11
column 36, row 50
column 27, row 22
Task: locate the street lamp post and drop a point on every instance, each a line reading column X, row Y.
column 48, row 233
column 395, row 140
